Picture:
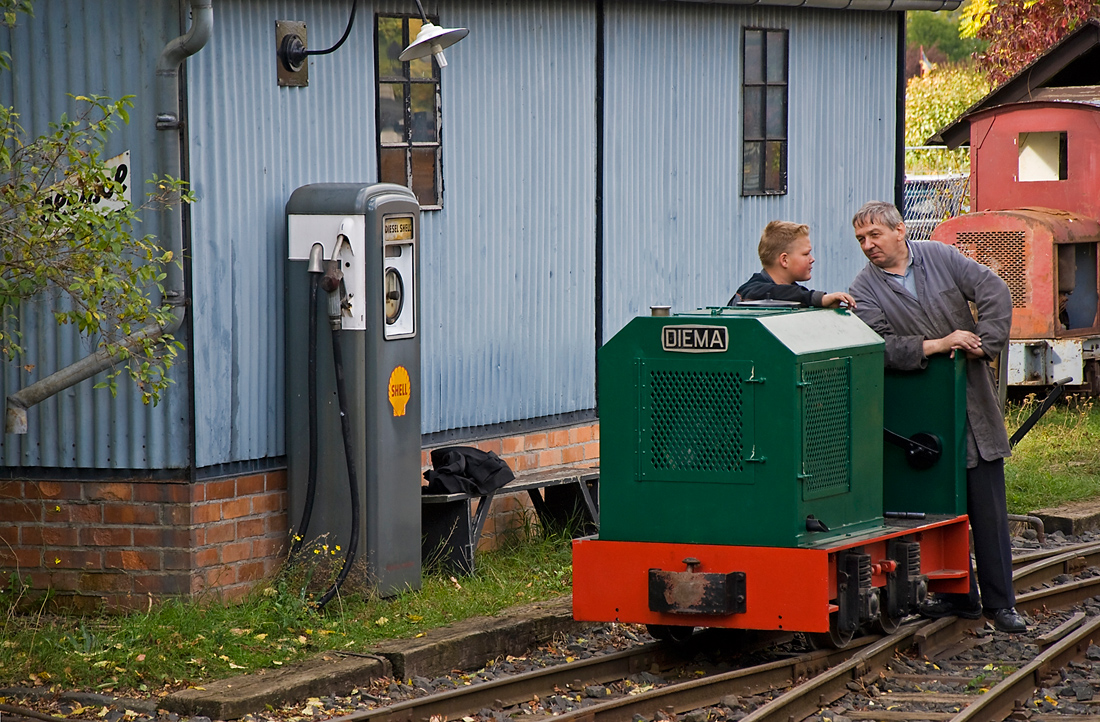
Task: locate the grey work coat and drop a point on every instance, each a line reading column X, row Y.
column 946, row 280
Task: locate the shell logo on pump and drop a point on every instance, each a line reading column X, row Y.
column 400, row 390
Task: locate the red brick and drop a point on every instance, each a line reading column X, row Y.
column 596, row 431
column 54, row 536
column 161, row 584
column 61, row 581
column 236, row 552
column 20, row 557
column 11, row 490
column 523, row 462
column 109, row 491
column 180, row 559
column 559, row 437
column 73, row 559
column 130, row 514
column 425, row 463
column 592, row 450
column 203, row 558
column 572, row 454
column 131, row 560
column 250, row 485
column 277, row 524
column 580, row 434
column 175, row 515
column 494, row 445
column 222, row 489
column 162, row 492
column 52, row 490
column 206, row 513
column 269, row 547
column 16, row 511
column 160, row 537
column 85, row 513
column 236, row 508
column 275, row 480
column 105, row 582
column 9, row 536
column 533, row 442
column 197, row 537
column 511, row 445
column 234, row 594
column 107, row 537
column 549, row 457
column 250, row 527
column 250, row 571
column 220, row 577
column 269, row 502
column 221, row 532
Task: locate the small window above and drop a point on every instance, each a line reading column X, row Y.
column 1042, row 156
column 764, row 112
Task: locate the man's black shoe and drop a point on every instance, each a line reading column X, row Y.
column 940, row 608
column 1007, row 620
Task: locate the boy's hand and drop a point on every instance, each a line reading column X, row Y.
column 833, row 300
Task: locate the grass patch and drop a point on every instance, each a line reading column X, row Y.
column 178, row 643
column 1059, row 459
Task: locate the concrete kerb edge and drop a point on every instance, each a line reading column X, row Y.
column 464, row 645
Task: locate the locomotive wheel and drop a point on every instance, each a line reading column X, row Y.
column 670, row 633
column 835, row 638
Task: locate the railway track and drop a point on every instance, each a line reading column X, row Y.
column 797, row 686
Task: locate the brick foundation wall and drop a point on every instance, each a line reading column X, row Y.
column 511, row 514
column 121, row 544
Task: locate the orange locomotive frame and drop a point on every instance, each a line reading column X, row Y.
column 786, row 588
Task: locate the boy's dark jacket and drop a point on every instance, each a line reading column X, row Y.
column 761, row 287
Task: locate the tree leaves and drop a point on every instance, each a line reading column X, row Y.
column 67, row 234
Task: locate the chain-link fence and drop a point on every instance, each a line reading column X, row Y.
column 932, row 199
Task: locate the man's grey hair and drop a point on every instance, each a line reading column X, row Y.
column 877, row 212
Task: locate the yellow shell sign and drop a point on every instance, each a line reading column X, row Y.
column 400, row 390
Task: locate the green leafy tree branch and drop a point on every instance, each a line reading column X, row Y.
column 67, row 234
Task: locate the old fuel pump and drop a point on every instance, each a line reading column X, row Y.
column 354, row 472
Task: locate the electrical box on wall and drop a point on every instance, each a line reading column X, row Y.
column 368, row 236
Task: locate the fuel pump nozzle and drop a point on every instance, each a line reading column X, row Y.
column 333, row 280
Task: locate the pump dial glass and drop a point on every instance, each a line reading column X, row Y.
column 395, row 294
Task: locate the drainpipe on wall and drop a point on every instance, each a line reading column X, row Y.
column 168, row 120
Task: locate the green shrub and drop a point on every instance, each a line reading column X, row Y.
column 932, row 102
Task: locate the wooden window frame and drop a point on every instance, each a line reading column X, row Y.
column 758, row 148
column 407, row 81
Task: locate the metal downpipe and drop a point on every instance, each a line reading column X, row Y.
column 168, row 120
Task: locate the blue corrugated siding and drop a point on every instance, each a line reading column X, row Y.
column 507, row 265
column 252, row 144
column 676, row 229
column 104, row 48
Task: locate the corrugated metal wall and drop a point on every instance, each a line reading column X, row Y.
column 676, row 229
column 507, row 265
column 105, row 48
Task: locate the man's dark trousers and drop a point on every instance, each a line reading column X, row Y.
column 988, row 511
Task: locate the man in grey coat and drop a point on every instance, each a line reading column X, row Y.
column 916, row 296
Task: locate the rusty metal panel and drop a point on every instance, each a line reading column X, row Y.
column 995, row 137
column 85, row 47
column 1024, row 247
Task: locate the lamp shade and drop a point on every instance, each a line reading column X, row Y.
column 430, row 41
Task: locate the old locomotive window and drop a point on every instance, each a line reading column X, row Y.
column 764, row 113
column 407, row 102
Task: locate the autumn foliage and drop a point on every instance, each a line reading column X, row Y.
column 1019, row 31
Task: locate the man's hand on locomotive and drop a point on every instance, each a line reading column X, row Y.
column 960, row 340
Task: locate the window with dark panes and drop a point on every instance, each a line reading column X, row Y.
column 764, row 113
column 409, row 148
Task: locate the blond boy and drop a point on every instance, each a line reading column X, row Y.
column 787, row 256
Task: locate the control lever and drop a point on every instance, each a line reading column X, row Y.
column 922, row 449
